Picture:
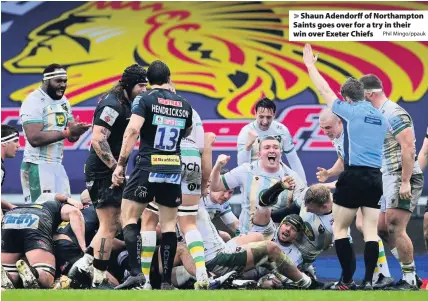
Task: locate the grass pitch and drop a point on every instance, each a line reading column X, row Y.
column 221, row 295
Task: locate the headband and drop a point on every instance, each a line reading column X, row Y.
column 54, row 74
column 10, row 138
column 372, row 90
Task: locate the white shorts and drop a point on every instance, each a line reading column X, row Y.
column 191, row 171
column 267, row 231
column 38, row 179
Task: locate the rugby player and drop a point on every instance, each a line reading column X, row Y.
column 254, row 178
column 111, row 117
column 47, row 120
column 333, row 128
column 193, row 170
column 423, row 162
column 402, row 176
column 28, row 231
column 250, row 135
column 9, row 147
column 360, row 185
column 243, row 253
column 161, row 119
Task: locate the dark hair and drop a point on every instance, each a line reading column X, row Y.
column 158, row 73
column 52, row 68
column 267, row 104
column 353, row 89
column 224, row 171
column 7, row 130
column 371, row 81
column 317, row 194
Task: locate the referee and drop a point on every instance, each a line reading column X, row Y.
column 360, row 184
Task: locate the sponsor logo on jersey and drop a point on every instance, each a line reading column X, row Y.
column 309, row 233
column 169, row 102
column 169, row 121
column 165, row 160
column 20, row 221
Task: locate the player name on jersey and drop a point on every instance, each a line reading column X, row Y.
column 170, row 111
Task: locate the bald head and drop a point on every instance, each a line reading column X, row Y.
column 327, row 114
column 330, row 124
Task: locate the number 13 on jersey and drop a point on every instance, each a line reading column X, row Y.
column 167, row 132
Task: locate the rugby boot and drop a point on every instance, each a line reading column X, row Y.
column 203, row 283
column 224, row 281
column 83, row 265
column 402, row 286
column 62, row 283
column 28, row 275
column 418, row 281
column 165, row 286
column 132, row 282
column 5, row 280
column 104, row 285
column 365, row 286
column 383, row 282
column 342, row 286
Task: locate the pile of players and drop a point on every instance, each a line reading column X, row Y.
column 155, row 230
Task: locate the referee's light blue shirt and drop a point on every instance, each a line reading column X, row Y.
column 364, row 130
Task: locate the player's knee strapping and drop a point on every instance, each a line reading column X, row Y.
column 153, row 208
column 45, row 267
column 10, row 268
column 188, row 210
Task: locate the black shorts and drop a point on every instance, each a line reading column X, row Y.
column 144, row 187
column 66, row 254
column 30, row 236
column 102, row 195
column 359, row 186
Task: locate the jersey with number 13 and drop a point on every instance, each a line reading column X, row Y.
column 167, row 117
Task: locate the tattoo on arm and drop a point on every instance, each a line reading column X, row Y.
column 102, row 251
column 129, row 140
column 102, row 148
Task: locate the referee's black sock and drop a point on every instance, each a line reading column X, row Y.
column 371, row 254
column 346, row 256
column 168, row 250
column 132, row 237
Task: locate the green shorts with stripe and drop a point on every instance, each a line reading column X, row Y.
column 38, row 179
column 227, row 261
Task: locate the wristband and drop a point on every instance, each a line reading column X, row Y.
column 66, row 133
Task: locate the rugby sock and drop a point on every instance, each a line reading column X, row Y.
column 131, row 234
column 346, row 256
column 409, row 273
column 168, row 250
column 382, row 264
column 395, row 253
column 148, row 239
column 371, row 254
column 196, row 247
column 100, row 270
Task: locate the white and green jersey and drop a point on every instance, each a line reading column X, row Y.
column 223, row 211
column 213, row 243
column 338, row 145
column 276, row 129
column 196, row 137
column 290, row 250
column 397, row 120
column 253, row 181
column 38, row 107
